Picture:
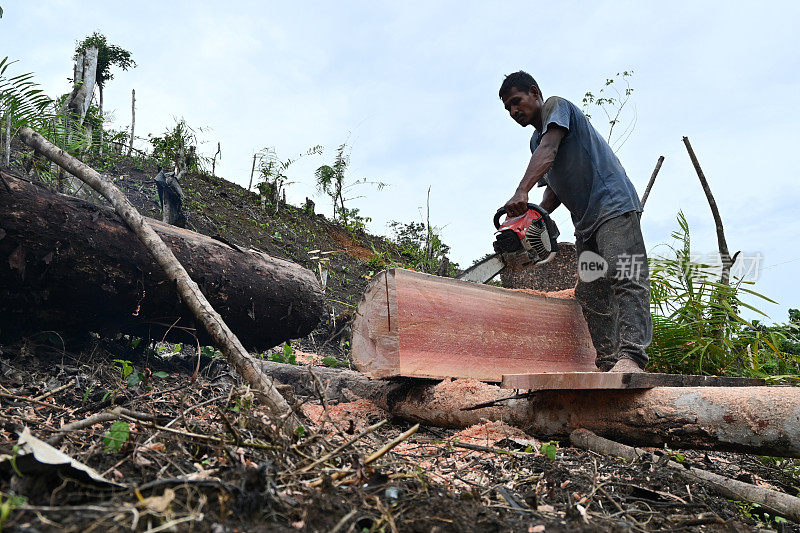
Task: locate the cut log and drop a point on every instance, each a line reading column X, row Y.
column 619, row 380
column 71, row 267
column 757, row 420
column 418, row 325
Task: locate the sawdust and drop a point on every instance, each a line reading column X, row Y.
column 352, row 416
column 566, row 294
column 489, row 433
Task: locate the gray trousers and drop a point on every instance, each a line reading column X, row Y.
column 617, row 305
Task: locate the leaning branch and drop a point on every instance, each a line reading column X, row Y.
column 725, row 255
column 188, row 290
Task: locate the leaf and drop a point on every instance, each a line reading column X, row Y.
column 160, row 374
column 135, row 378
column 549, row 450
column 117, row 436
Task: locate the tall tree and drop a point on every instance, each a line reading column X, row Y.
column 108, row 55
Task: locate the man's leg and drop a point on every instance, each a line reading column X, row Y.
column 620, row 243
column 599, row 310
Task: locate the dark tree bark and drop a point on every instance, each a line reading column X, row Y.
column 70, row 266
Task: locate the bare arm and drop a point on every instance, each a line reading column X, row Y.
column 540, row 162
column 549, row 200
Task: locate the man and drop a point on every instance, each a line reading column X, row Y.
column 578, row 168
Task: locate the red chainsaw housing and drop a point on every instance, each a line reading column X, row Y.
column 520, row 224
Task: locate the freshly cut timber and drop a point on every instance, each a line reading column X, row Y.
column 619, row 380
column 70, row 266
column 757, row 420
column 418, row 325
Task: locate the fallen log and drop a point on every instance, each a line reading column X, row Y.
column 773, row 501
column 757, row 420
column 70, row 266
column 418, row 325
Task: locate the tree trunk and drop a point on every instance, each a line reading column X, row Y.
column 187, row 289
column 70, row 266
column 100, row 114
column 84, row 81
column 8, row 138
column 418, row 325
column 757, row 420
column 133, row 121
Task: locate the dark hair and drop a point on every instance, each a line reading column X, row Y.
column 521, row 81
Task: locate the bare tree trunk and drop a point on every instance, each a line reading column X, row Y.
column 188, row 290
column 214, row 161
column 652, row 180
column 85, row 73
column 100, row 113
column 8, row 137
column 722, row 243
column 133, row 121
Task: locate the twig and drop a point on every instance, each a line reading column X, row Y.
column 340, row 524
column 773, row 501
column 652, row 180
column 31, row 400
column 232, row 429
column 381, row 452
column 350, row 442
column 55, row 391
column 99, row 418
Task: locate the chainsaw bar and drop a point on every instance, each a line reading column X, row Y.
column 484, row 271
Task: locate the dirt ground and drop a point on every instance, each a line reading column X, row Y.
column 207, row 459
column 201, row 454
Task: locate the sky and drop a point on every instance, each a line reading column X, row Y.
column 411, row 87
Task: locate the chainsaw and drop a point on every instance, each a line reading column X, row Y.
column 520, row 242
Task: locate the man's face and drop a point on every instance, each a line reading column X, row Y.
column 523, row 106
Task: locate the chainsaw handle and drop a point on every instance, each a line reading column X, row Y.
column 502, row 211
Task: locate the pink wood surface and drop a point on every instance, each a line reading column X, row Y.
column 449, row 328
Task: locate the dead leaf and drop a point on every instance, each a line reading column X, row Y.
column 158, row 504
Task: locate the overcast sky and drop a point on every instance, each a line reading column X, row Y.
column 412, row 87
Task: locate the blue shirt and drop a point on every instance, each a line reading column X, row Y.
column 586, row 175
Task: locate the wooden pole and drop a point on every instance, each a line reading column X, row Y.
column 652, row 180
column 725, row 255
column 252, row 171
column 133, row 121
column 188, row 290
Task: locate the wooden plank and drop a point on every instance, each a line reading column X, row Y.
column 418, row 325
column 618, row 380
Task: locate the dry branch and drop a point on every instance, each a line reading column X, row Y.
column 776, row 502
column 188, row 290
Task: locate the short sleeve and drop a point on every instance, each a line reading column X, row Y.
column 555, row 111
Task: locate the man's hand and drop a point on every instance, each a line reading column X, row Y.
column 518, row 204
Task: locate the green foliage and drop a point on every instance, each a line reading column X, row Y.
column 330, row 361
column 175, row 144
column 23, row 103
column 549, row 449
column 422, row 248
column 108, row 55
column 697, row 325
column 272, row 172
column 9, row 502
column 334, row 181
column 612, row 100
column 116, row 436
column 286, row 355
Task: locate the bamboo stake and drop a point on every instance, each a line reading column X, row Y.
column 652, row 180
column 188, row 290
column 133, row 120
